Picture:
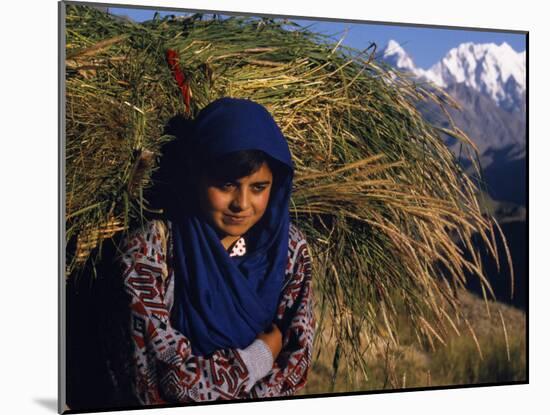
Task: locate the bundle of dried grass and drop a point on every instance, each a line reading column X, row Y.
column 384, row 204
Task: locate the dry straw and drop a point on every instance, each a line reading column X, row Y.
column 388, row 212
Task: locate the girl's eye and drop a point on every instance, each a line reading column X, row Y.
column 259, row 187
column 228, row 186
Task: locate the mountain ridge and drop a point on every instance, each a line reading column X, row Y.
column 497, row 126
column 497, row 71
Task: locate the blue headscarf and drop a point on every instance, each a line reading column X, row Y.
column 222, row 301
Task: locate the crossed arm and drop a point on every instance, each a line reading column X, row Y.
column 166, row 369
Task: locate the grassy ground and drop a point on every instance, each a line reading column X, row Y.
column 457, row 363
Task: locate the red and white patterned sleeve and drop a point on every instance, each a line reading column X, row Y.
column 165, row 370
column 290, row 370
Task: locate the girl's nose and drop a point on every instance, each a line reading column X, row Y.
column 241, row 201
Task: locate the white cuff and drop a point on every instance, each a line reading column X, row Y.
column 258, row 359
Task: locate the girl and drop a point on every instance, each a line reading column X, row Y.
column 220, row 289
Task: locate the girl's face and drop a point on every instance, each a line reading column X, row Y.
column 234, row 207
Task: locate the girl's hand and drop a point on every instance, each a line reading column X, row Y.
column 273, row 339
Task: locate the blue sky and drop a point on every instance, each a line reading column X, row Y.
column 425, row 45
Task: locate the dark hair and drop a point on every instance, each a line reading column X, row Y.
column 234, row 165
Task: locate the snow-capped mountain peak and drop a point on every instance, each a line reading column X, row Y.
column 396, row 56
column 497, row 71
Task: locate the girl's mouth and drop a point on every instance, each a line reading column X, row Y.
column 235, row 219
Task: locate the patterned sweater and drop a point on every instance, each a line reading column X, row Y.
column 163, row 369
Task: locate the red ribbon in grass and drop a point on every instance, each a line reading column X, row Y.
column 173, row 63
